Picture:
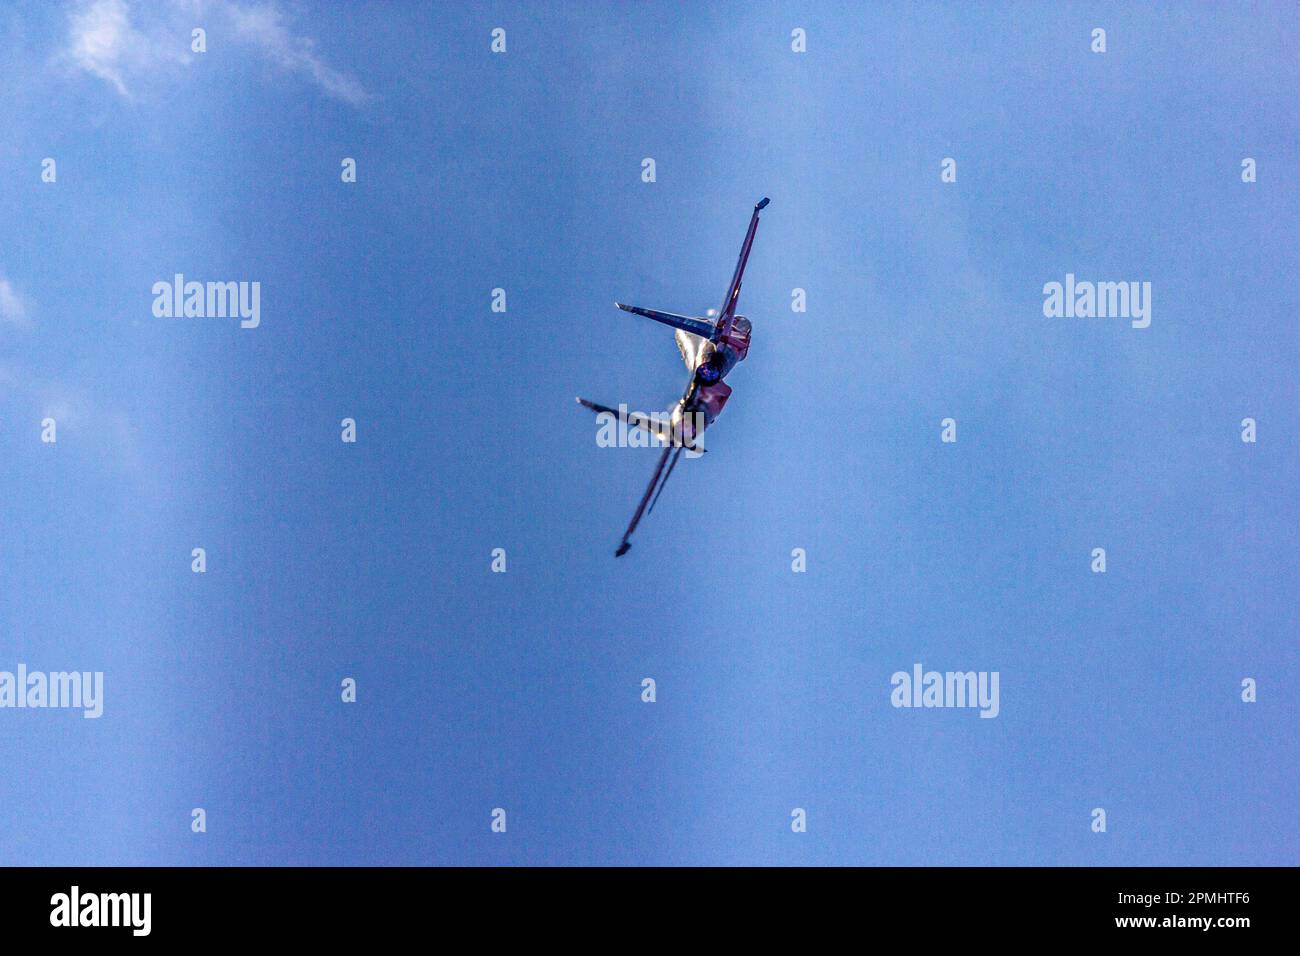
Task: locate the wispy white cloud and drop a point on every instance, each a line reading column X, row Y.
column 265, row 28
column 103, row 41
column 14, row 308
column 107, row 434
column 127, row 45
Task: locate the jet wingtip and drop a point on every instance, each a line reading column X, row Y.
column 623, row 549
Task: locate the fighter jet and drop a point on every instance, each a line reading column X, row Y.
column 711, row 346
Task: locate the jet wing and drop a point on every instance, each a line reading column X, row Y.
column 723, row 325
column 684, row 322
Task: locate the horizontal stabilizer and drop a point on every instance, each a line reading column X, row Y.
column 684, row 322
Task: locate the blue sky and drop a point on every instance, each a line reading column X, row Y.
column 522, row 690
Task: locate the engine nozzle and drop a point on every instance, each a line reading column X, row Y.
column 712, row 369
